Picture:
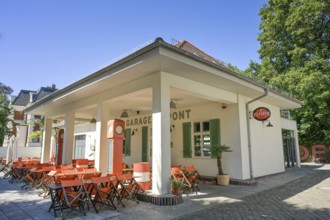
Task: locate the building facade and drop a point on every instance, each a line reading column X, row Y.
column 178, row 104
column 24, row 123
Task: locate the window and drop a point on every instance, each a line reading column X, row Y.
column 80, row 144
column 201, row 139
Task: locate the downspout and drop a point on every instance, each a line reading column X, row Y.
column 248, row 129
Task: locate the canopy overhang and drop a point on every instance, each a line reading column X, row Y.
column 134, row 76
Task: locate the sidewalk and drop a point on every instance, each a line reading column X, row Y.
column 16, row 203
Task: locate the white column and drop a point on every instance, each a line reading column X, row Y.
column 47, row 134
column 30, row 129
column 242, row 134
column 161, row 152
column 52, row 145
column 68, row 138
column 101, row 148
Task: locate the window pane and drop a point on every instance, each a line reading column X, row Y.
column 197, row 145
column 197, row 151
column 206, row 145
column 206, row 126
column 80, row 144
column 197, row 127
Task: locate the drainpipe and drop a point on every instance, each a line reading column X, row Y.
column 248, row 129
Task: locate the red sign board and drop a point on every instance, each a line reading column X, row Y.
column 261, row 113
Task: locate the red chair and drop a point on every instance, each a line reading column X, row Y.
column 105, row 191
column 193, row 177
column 74, row 195
column 177, row 174
column 82, row 163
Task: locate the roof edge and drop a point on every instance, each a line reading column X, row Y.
column 157, row 43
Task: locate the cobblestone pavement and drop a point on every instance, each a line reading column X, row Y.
column 305, row 198
column 298, row 193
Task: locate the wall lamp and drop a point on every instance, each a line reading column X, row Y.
column 171, row 127
column 269, row 124
column 124, row 114
column 92, row 121
column 172, row 104
column 134, row 131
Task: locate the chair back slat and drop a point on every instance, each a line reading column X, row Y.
column 71, row 183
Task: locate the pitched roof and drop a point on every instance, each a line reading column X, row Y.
column 43, row 92
column 185, row 45
column 23, row 98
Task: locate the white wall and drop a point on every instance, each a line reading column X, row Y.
column 229, row 127
column 266, row 142
column 87, row 129
column 23, row 151
column 22, row 135
column 267, row 149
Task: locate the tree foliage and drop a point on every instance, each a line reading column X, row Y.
column 5, row 112
column 40, row 124
column 295, row 56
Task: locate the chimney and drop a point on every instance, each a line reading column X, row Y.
column 31, row 97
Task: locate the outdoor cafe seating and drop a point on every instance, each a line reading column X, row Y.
column 189, row 178
column 193, row 177
column 128, row 187
column 105, row 192
column 75, row 195
column 73, row 187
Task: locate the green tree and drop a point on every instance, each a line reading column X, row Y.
column 5, row 112
column 295, row 56
column 39, row 124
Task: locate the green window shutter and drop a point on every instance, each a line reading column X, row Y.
column 214, row 135
column 186, row 131
column 145, row 144
column 127, row 142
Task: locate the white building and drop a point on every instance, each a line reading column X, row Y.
column 213, row 105
column 24, row 125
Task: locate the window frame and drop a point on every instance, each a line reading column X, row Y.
column 201, row 131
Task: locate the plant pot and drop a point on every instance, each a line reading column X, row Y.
column 176, row 191
column 223, row 180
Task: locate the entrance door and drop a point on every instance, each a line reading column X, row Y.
column 289, row 151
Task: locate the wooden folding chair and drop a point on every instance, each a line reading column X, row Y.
column 89, row 170
column 177, row 174
column 193, row 177
column 128, row 187
column 59, row 178
column 14, row 172
column 70, row 173
column 105, row 192
column 116, row 184
column 6, row 167
column 82, row 163
column 45, row 179
column 67, row 167
column 29, row 179
column 74, row 195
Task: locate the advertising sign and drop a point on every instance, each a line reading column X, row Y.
column 261, row 113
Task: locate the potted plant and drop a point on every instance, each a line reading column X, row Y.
column 176, row 187
column 222, row 178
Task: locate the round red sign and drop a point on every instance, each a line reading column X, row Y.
column 261, row 113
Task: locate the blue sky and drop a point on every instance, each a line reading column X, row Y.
column 60, row 42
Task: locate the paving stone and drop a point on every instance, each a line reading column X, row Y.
column 296, row 194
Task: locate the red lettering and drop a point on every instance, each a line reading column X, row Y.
column 304, row 153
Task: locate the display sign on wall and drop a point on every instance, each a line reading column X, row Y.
column 261, row 113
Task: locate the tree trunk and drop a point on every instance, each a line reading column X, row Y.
column 219, row 166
